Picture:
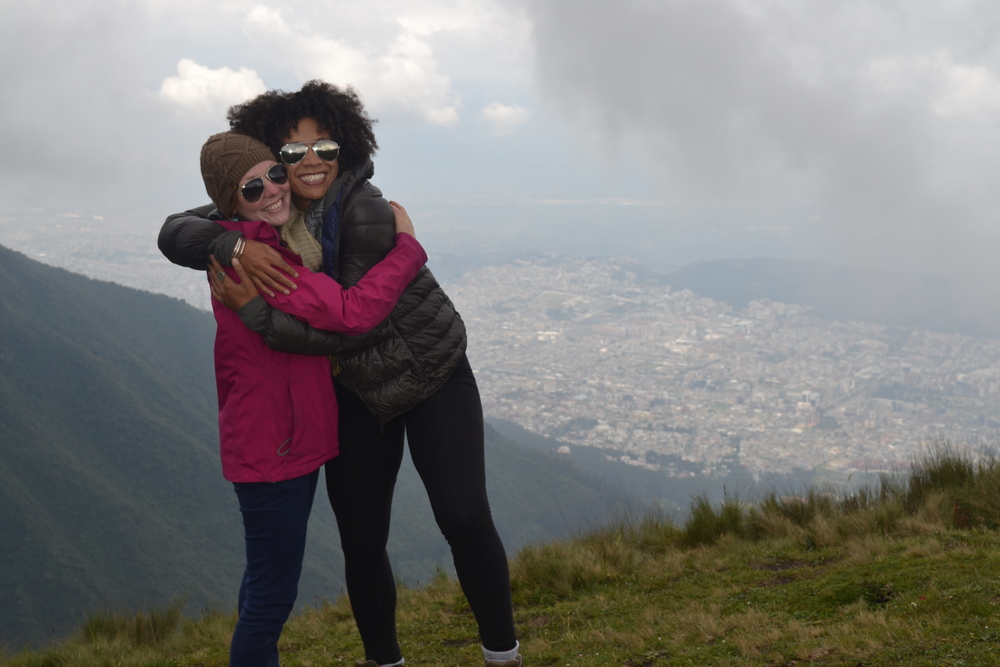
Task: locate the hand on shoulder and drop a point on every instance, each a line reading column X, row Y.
column 403, row 223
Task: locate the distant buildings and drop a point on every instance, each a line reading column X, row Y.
column 585, row 352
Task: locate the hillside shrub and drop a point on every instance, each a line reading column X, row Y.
column 706, row 524
column 142, row 628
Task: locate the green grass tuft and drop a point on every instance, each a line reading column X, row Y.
column 140, row 629
column 706, row 524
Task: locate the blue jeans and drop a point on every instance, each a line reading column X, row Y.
column 275, row 517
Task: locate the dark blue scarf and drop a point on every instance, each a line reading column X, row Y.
column 328, row 240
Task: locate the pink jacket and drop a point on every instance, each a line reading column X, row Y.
column 278, row 411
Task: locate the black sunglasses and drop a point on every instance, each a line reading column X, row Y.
column 253, row 189
column 325, row 149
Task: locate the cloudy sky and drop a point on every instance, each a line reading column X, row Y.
column 669, row 130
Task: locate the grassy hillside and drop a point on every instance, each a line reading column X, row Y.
column 111, row 492
column 901, row 573
column 109, row 483
column 654, row 487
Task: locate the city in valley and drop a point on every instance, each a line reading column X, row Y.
column 587, row 352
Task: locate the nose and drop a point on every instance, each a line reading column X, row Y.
column 311, row 157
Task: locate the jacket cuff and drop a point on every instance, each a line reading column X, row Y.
column 255, row 313
column 222, row 246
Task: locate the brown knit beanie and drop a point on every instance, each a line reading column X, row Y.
column 225, row 157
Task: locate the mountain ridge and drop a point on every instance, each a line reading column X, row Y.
column 111, row 491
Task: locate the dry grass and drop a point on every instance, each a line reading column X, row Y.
column 904, row 572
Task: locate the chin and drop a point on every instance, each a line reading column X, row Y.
column 313, row 193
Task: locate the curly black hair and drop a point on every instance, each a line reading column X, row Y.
column 271, row 116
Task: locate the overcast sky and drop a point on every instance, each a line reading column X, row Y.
column 854, row 130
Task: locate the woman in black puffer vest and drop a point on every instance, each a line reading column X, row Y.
column 407, row 377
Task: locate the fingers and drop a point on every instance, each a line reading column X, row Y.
column 262, row 287
column 247, row 284
column 403, row 223
column 233, row 293
column 214, row 283
column 216, row 275
column 273, row 280
column 265, row 266
column 255, row 283
column 215, row 290
column 284, row 266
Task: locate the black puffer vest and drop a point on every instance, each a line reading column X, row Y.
column 415, row 350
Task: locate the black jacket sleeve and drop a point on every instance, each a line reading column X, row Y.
column 189, row 238
column 285, row 333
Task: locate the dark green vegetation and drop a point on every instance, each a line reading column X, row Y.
column 111, row 493
column 903, row 572
column 654, row 487
column 109, row 474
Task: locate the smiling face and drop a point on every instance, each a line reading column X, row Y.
column 273, row 206
column 310, row 177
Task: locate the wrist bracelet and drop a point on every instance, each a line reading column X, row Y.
column 241, row 244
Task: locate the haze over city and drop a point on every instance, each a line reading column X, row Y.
column 670, row 131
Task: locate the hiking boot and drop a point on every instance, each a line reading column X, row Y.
column 367, row 663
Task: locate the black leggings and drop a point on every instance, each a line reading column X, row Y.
column 445, row 435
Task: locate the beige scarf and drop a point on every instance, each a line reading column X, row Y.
column 301, row 242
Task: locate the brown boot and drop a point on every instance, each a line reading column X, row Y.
column 367, row 663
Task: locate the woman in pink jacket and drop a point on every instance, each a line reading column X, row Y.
column 276, row 425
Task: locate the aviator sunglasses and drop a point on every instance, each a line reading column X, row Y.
column 253, row 189
column 325, row 149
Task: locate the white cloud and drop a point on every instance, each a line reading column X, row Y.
column 425, row 21
column 969, row 92
column 505, row 118
column 882, row 117
column 209, row 90
column 266, row 18
column 67, row 109
column 474, row 40
column 158, row 75
column 396, row 78
column 952, row 90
